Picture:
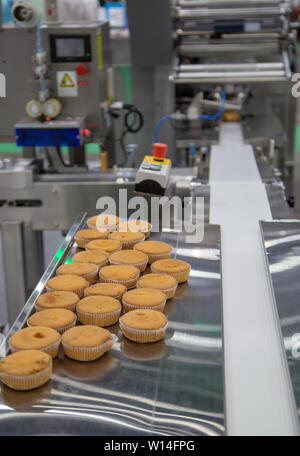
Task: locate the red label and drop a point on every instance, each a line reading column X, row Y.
column 83, row 83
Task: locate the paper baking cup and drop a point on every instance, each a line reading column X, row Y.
column 86, row 293
column 72, row 307
column 82, row 242
column 59, row 330
column 104, row 319
column 140, row 266
column 142, row 336
column 162, row 256
column 100, row 265
column 87, row 353
column 109, row 228
column 128, row 283
column 80, row 292
column 170, row 292
column 27, row 382
column 128, row 307
column 91, row 277
column 52, row 349
column 131, row 244
column 179, row 276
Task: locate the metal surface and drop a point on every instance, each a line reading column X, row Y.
column 282, row 252
column 173, row 387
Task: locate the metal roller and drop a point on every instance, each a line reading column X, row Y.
column 222, row 13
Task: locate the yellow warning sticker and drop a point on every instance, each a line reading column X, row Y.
column 67, row 84
column 67, row 81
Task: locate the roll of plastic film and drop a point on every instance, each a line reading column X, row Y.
column 34, row 109
column 27, row 13
column 51, row 108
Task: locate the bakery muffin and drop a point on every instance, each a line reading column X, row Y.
column 105, row 245
column 57, row 300
column 26, row 370
column 128, row 239
column 155, row 250
column 130, row 258
column 163, row 282
column 136, row 225
column 36, row 338
column 178, row 269
column 68, row 282
column 82, row 237
column 91, row 256
column 58, row 319
column 87, row 342
column 144, row 298
column 98, row 310
column 114, row 290
column 143, row 325
column 125, row 275
column 88, row 271
column 103, row 222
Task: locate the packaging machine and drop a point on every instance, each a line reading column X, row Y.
column 223, row 367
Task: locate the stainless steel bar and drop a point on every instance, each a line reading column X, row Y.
column 213, row 78
column 63, row 250
column 222, row 13
column 210, row 49
column 14, row 266
column 216, row 3
column 230, row 74
column 232, row 66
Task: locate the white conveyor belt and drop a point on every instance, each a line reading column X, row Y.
column 259, row 398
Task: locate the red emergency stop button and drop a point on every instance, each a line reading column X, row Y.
column 160, row 150
column 81, row 69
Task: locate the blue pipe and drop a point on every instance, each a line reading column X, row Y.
column 202, row 116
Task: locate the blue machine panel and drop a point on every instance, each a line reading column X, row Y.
column 28, row 137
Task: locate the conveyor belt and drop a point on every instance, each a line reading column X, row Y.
column 173, row 387
column 258, row 394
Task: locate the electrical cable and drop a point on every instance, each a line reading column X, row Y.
column 133, row 123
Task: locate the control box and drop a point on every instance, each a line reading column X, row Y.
column 153, row 174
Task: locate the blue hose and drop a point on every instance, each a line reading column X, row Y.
column 202, row 116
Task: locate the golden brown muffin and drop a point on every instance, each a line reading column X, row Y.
column 87, row 342
column 136, row 225
column 155, row 250
column 68, row 282
column 82, row 237
column 143, row 325
column 59, row 319
column 26, row 370
column 36, row 338
column 163, row 282
column 178, row 269
column 104, row 245
column 125, row 275
column 103, row 222
column 57, row 300
column 88, row 271
column 144, row 298
column 130, row 258
column 128, row 239
column 98, row 310
column 91, row 256
column 114, row 290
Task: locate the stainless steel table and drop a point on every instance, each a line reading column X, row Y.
column 172, row 387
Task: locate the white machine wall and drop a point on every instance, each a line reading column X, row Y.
column 259, row 399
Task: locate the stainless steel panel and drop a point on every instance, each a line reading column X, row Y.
column 282, row 246
column 173, row 387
